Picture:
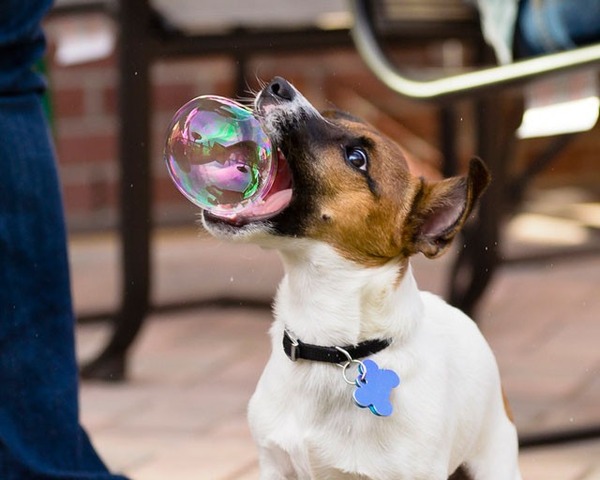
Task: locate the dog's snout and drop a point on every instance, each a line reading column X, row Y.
column 281, row 89
column 282, row 109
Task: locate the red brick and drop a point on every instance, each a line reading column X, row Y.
column 224, row 87
column 110, row 100
column 68, row 102
column 85, row 197
column 171, row 97
column 165, row 191
column 86, row 149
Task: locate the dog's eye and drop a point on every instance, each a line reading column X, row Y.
column 357, row 158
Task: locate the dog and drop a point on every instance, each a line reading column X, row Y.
column 346, row 215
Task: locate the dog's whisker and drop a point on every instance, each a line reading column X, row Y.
column 261, row 83
column 248, row 101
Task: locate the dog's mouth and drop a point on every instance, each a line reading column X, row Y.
column 274, row 115
column 277, row 198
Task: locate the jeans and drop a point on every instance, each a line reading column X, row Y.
column 551, row 25
column 40, row 435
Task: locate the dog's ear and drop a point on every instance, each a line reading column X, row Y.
column 441, row 209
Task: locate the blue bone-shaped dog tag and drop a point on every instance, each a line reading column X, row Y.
column 374, row 389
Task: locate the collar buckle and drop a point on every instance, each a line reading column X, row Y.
column 294, row 346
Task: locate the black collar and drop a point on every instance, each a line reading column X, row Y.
column 296, row 349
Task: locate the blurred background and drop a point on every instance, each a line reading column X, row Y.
column 84, row 94
column 180, row 411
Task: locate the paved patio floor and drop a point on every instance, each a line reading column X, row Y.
column 181, row 414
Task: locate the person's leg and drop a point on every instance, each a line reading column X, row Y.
column 554, row 25
column 40, row 436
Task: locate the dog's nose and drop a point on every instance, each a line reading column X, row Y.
column 280, row 88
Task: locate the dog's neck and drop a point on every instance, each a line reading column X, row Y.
column 326, row 299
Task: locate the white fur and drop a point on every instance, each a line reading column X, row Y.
column 448, row 409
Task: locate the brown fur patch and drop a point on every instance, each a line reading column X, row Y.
column 507, row 407
column 441, row 209
column 358, row 219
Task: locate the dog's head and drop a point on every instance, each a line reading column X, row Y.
column 350, row 188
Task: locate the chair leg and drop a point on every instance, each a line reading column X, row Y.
column 497, row 118
column 448, row 137
column 476, row 263
column 135, row 193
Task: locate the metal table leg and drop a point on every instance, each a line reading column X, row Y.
column 135, row 190
column 497, row 118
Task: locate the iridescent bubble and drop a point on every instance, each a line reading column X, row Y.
column 218, row 156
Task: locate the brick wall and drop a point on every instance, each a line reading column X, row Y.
column 86, row 122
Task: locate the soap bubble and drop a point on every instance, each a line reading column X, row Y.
column 218, row 156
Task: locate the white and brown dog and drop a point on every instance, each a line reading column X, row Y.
column 346, row 215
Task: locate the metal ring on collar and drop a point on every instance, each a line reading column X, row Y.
column 362, row 370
